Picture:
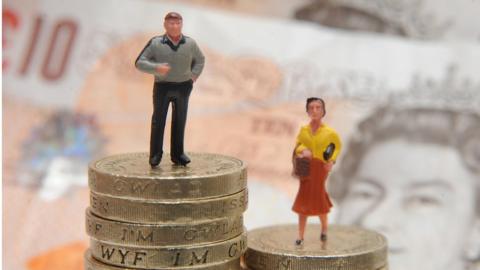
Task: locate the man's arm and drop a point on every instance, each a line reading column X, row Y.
column 198, row 62
column 145, row 61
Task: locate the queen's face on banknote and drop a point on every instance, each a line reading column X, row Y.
column 421, row 195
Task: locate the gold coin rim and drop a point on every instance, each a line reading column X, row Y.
column 122, row 208
column 159, row 187
column 217, row 258
column 90, row 261
column 93, row 166
column 160, row 228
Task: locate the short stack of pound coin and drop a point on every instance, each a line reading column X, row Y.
column 346, row 248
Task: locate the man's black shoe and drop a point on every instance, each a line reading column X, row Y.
column 181, row 160
column 155, row 160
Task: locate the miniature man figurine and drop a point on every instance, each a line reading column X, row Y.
column 176, row 61
column 316, row 150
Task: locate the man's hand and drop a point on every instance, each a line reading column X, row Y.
column 163, row 69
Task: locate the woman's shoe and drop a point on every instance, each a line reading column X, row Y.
column 323, row 237
column 299, row 242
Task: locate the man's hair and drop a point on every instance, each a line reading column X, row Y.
column 173, row 16
column 312, row 99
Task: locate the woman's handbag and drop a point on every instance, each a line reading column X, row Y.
column 301, row 166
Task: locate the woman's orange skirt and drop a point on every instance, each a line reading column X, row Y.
column 312, row 198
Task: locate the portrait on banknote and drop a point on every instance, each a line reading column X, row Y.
column 413, row 175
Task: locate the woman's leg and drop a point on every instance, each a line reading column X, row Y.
column 302, row 221
column 324, row 221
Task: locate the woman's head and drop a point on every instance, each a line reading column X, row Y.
column 413, row 174
column 315, row 108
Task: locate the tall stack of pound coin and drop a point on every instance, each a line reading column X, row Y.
column 347, row 248
column 167, row 217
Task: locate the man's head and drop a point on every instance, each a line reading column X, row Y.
column 173, row 24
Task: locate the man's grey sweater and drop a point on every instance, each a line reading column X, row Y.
column 185, row 59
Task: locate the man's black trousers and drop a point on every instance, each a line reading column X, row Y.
column 163, row 94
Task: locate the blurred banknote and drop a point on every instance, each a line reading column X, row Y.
column 414, row 19
column 71, row 93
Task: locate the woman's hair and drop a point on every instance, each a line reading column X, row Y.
column 312, row 99
column 458, row 130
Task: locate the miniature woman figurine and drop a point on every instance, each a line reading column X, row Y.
column 316, row 150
